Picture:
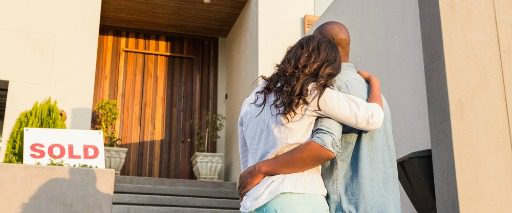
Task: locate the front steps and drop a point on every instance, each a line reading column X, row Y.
column 158, row 195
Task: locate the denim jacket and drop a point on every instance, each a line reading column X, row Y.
column 363, row 177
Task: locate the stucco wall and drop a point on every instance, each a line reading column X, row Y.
column 386, row 40
column 280, row 25
column 48, row 49
column 477, row 72
column 504, row 24
column 321, row 6
column 238, row 62
column 257, row 41
column 33, row 189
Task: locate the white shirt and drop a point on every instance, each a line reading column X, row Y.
column 263, row 135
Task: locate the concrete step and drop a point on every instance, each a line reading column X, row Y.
column 155, row 195
column 163, row 209
column 175, row 191
column 175, row 182
column 175, row 201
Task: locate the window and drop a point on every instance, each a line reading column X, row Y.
column 3, row 100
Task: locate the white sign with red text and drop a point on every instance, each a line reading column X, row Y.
column 72, row 147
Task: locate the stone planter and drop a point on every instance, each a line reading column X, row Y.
column 114, row 158
column 207, row 165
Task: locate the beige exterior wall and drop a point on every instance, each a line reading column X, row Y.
column 33, row 189
column 238, row 62
column 280, row 25
column 257, row 41
column 48, row 49
column 221, row 92
column 475, row 69
column 504, row 24
column 321, row 6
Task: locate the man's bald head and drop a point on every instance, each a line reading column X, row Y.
column 338, row 33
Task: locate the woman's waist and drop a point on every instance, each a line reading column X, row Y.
column 308, row 182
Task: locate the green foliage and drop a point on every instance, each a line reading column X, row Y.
column 42, row 115
column 85, row 166
column 106, row 115
column 214, row 123
column 54, row 162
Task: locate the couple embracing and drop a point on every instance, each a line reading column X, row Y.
column 315, row 136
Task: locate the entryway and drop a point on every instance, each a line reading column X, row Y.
column 165, row 86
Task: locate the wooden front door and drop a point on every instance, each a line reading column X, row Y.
column 165, row 86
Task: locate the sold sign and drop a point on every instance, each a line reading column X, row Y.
column 72, row 147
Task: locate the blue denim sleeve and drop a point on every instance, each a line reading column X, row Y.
column 327, row 133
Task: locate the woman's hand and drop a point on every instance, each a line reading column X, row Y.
column 374, row 83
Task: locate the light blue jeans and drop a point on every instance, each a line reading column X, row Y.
column 295, row 203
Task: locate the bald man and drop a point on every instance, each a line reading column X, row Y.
column 358, row 168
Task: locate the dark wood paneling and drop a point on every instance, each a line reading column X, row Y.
column 163, row 99
column 180, row 16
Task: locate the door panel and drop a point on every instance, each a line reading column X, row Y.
column 164, row 86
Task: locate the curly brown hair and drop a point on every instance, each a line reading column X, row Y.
column 313, row 59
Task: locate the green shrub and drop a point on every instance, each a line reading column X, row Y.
column 42, row 115
column 105, row 116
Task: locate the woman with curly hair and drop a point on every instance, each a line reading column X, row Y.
column 280, row 114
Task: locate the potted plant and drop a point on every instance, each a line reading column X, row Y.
column 105, row 116
column 207, row 165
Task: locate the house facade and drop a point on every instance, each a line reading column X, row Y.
column 446, row 68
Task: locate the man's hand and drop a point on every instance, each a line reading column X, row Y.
column 249, row 179
column 375, row 90
column 367, row 76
